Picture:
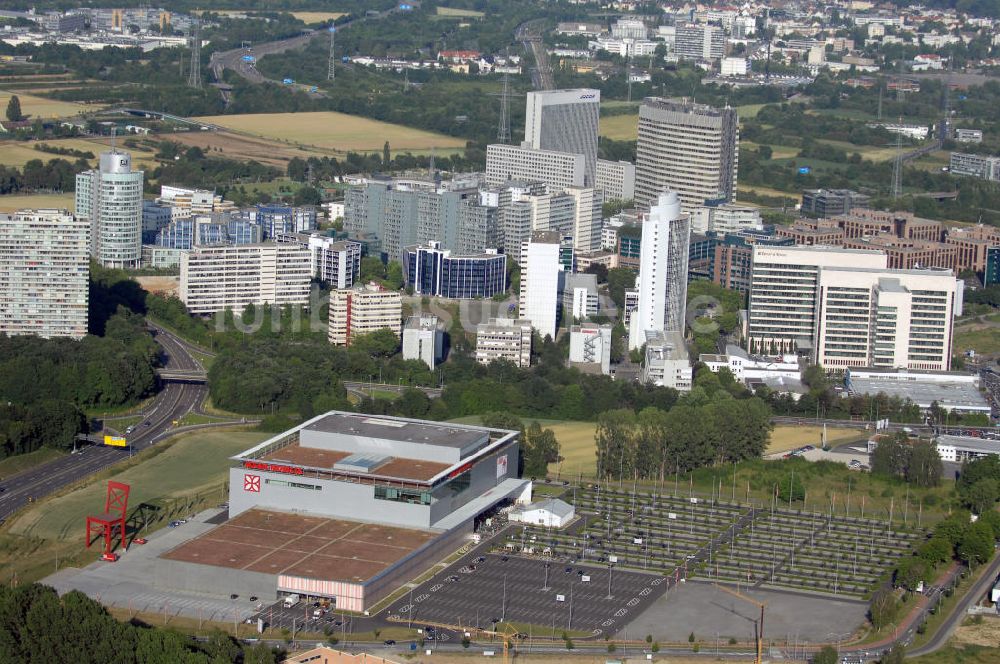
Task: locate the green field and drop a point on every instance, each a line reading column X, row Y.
column 982, row 339
column 576, row 447
column 620, row 127
column 458, row 13
column 334, row 131
column 197, row 462
column 22, row 462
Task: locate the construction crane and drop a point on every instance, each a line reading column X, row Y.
column 759, row 656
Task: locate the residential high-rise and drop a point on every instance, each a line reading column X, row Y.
column 539, row 300
column 513, row 162
column 565, row 121
column 232, row 277
column 689, row 148
column 700, row 42
column 662, row 282
column 362, row 310
column 110, row 198
column 44, row 266
column 337, row 262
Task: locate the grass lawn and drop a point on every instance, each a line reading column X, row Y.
column 765, row 191
column 14, row 202
column 620, row 127
column 777, row 151
column 983, row 339
column 576, row 446
column 464, row 13
column 960, row 654
column 786, row 437
column 196, row 462
column 22, row 462
column 40, row 107
column 749, row 110
column 872, row 152
column 336, row 131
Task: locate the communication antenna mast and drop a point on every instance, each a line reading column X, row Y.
column 331, row 70
column 194, row 78
column 503, row 129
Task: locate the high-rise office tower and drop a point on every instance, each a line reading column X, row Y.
column 540, row 282
column 662, row 281
column 110, row 198
column 565, row 121
column 689, row 148
column 44, row 265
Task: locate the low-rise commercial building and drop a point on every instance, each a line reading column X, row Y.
column 666, row 363
column 590, row 348
column 363, row 309
column 232, row 277
column 959, row 449
column 952, row 391
column 504, row 339
column 832, row 202
column 974, row 165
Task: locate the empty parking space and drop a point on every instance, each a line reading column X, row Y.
column 551, row 596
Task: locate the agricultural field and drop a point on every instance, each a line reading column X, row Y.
column 317, row 17
column 786, row 437
column 334, row 131
column 620, row 127
column 39, row 107
column 244, row 148
column 18, row 153
column 197, row 462
column 14, row 202
column 459, row 13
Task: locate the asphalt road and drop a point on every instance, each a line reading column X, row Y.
column 173, row 401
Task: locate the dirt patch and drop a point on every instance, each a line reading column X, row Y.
column 987, row 633
column 234, row 146
column 160, row 285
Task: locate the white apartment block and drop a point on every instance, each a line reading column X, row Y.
column 232, row 277
column 689, row 148
column 784, row 286
column 513, row 162
column 44, row 269
column 886, row 318
column 504, row 339
column 422, row 340
column 616, row 179
column 590, row 347
column 110, row 198
column 700, row 42
column 363, row 310
column 337, row 262
column 975, row 165
column 734, row 67
column 539, row 298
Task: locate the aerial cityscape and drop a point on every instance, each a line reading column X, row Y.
column 598, row 331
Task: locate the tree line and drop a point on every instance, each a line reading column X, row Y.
column 36, row 625
column 54, row 175
column 917, row 462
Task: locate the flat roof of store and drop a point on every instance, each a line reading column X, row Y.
column 398, row 429
column 949, row 394
column 311, row 547
column 314, row 457
column 971, row 444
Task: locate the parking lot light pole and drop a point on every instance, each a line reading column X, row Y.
column 610, row 567
column 503, row 606
column 546, row 586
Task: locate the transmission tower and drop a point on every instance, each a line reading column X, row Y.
column 194, row 77
column 331, row 69
column 503, row 129
column 897, row 166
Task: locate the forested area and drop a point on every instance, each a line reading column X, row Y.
column 191, row 167
column 38, row 626
column 708, row 426
column 917, row 462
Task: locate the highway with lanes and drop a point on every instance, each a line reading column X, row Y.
column 170, row 404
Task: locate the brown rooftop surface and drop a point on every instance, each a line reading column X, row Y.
column 404, row 469
column 281, row 543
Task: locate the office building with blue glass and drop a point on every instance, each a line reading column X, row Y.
column 434, row 272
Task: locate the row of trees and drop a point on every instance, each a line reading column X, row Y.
column 37, row 625
column 655, row 443
column 36, row 175
column 539, row 446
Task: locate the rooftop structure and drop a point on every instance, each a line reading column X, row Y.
column 952, row 391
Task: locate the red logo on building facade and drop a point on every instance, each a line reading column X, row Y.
column 251, row 483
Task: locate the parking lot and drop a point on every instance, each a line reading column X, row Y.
column 553, row 596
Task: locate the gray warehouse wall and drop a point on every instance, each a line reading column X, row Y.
column 211, row 580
